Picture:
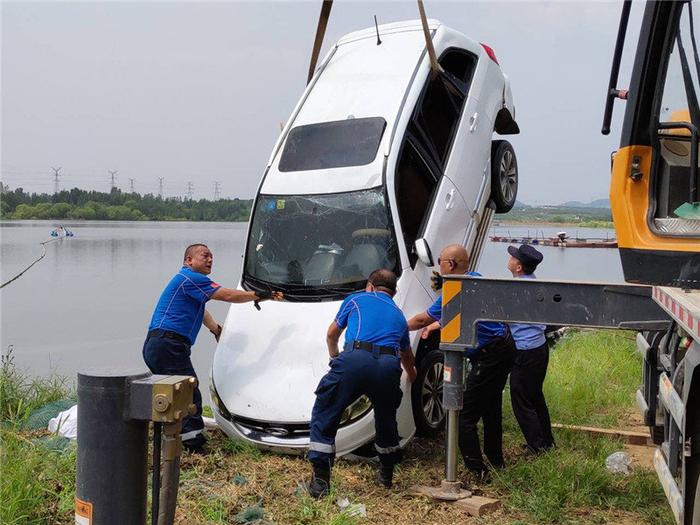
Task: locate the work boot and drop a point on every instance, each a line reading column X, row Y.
column 320, row 483
column 385, row 476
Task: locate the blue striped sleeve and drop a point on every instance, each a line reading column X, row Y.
column 342, row 318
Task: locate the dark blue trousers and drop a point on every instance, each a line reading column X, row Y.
column 353, row 373
column 170, row 357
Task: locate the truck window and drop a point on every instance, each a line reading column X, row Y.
column 350, row 142
column 679, row 104
column 415, row 186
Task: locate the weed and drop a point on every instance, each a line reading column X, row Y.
column 19, row 395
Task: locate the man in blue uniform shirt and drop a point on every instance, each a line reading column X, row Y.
column 376, row 345
column 530, row 365
column 176, row 321
column 491, row 362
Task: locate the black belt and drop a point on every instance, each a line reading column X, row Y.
column 371, row 347
column 167, row 334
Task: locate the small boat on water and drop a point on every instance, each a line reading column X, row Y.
column 562, row 240
column 60, row 232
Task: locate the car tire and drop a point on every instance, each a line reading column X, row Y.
column 426, row 395
column 504, row 175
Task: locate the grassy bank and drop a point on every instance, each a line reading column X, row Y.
column 591, row 380
column 558, row 216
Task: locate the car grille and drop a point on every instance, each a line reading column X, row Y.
column 280, row 430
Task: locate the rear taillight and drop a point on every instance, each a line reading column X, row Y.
column 490, row 53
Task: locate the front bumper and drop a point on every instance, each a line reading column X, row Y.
column 347, row 439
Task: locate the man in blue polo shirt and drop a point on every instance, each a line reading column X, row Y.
column 491, row 362
column 376, row 346
column 530, row 365
column 176, row 321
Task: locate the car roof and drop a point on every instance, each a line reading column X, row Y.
column 357, row 79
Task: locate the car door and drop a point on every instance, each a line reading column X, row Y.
column 468, row 163
column 430, row 207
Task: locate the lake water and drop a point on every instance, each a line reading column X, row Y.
column 87, row 304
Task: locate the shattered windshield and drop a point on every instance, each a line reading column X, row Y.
column 324, row 243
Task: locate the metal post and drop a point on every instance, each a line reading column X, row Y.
column 452, row 389
column 112, row 463
column 452, row 443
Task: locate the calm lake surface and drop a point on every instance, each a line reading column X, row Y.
column 88, row 303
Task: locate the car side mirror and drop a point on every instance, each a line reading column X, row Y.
column 423, row 252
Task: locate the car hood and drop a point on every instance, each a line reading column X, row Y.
column 268, row 363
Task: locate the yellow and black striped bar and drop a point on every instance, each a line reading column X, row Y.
column 467, row 300
column 451, row 311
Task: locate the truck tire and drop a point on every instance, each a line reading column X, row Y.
column 504, row 175
column 426, row 395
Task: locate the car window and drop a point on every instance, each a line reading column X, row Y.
column 460, row 64
column 350, row 142
column 437, row 116
column 415, row 185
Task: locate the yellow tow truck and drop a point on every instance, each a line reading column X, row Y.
column 656, row 210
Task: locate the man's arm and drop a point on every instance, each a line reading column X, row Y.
column 429, row 329
column 231, row 295
column 409, row 364
column 419, row 321
column 332, row 338
column 210, row 322
column 212, row 325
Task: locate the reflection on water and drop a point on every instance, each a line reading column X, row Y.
column 89, row 302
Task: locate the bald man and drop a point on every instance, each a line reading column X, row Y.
column 491, row 362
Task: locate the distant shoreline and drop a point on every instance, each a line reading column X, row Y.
column 604, row 225
column 601, row 225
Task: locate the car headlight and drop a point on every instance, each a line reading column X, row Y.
column 217, row 400
column 356, row 410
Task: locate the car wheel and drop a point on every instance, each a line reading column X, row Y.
column 426, row 395
column 504, row 175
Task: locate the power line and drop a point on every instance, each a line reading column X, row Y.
column 217, row 190
column 55, row 179
column 190, row 188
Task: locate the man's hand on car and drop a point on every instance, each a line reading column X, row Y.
column 411, row 374
column 436, row 281
column 264, row 295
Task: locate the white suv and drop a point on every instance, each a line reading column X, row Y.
column 381, row 160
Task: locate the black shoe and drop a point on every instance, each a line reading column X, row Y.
column 320, row 484
column 480, row 477
column 529, row 451
column 195, row 449
column 385, row 476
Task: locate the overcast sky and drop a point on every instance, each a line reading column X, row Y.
column 196, row 91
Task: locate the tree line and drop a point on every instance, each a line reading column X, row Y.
column 117, row 205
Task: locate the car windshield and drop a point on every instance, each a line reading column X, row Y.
column 351, row 142
column 322, row 245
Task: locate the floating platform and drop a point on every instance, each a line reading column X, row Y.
column 557, row 242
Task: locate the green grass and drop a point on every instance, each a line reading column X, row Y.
column 20, row 394
column 36, row 484
column 591, row 381
column 592, row 377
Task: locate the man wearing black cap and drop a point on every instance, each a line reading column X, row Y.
column 530, row 365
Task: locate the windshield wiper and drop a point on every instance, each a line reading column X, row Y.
column 336, row 290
